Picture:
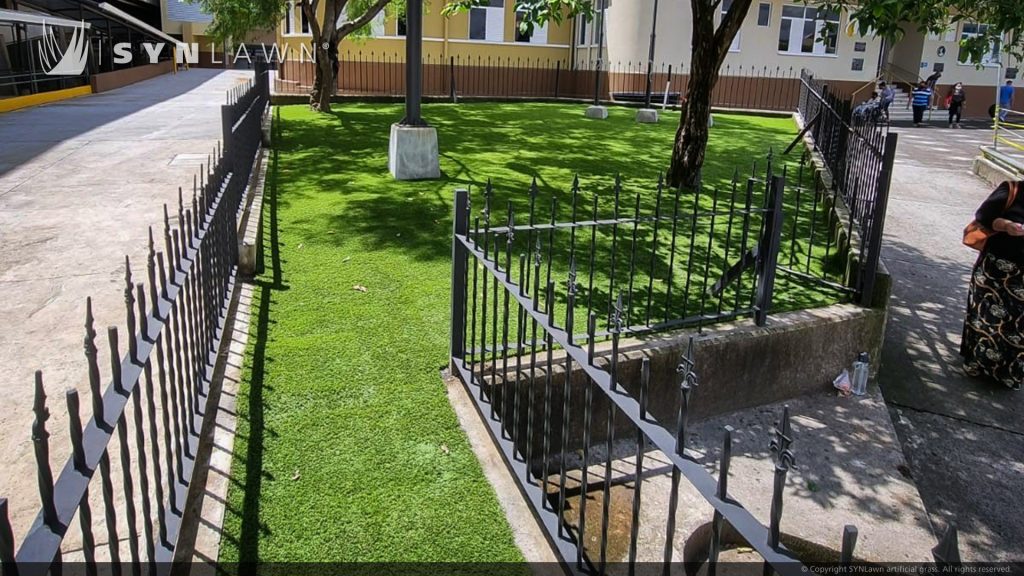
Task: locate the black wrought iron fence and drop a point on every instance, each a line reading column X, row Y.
column 156, row 401
column 858, row 156
column 687, row 259
column 567, row 415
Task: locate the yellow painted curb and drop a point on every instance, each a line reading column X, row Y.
column 8, row 104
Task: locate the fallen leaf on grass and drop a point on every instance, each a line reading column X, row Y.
column 296, row 475
column 347, row 258
column 300, row 247
column 359, row 288
column 444, row 448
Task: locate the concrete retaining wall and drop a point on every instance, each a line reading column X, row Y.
column 739, row 365
column 118, row 78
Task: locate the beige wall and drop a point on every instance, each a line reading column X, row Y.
column 629, row 29
column 954, row 71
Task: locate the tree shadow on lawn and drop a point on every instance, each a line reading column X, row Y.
column 504, row 144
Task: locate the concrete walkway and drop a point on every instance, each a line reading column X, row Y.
column 80, row 182
column 963, row 438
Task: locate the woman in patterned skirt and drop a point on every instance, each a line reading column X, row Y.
column 993, row 338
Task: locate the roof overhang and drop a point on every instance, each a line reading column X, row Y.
column 39, row 19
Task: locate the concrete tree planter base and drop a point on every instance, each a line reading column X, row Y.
column 597, row 112
column 412, row 153
column 647, row 116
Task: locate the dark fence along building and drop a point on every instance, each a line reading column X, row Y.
column 383, row 75
column 858, row 155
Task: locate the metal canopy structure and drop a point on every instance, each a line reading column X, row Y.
column 38, row 19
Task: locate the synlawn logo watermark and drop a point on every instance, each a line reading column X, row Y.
column 72, row 60
column 68, row 62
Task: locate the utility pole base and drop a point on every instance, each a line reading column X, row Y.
column 597, row 112
column 647, row 116
column 412, row 153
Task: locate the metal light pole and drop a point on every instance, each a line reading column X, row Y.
column 600, row 51
column 413, row 63
column 650, row 57
column 412, row 148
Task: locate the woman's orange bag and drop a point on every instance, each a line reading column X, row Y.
column 976, row 235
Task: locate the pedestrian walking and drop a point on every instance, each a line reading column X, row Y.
column 992, row 344
column 921, row 97
column 1005, row 99
column 955, row 103
column 887, row 95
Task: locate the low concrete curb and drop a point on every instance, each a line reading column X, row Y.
column 526, row 530
column 199, row 541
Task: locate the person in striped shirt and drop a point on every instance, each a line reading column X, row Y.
column 921, row 98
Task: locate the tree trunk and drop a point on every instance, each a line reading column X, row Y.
column 692, row 134
column 323, row 81
column 709, row 49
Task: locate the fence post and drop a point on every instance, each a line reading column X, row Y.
column 558, row 76
column 460, row 227
column 7, row 566
column 451, row 75
column 227, row 125
column 869, row 268
column 769, row 247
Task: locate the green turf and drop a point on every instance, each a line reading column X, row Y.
column 347, row 449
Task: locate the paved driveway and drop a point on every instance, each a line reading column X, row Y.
column 80, row 182
column 963, row 438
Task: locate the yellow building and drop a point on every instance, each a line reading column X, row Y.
column 481, row 33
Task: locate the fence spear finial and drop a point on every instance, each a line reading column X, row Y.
column 572, row 277
column 780, row 442
column 617, row 315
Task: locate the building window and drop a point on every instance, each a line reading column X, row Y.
column 588, row 30
column 401, row 26
column 295, row 22
column 857, row 65
column 735, row 46
column 973, row 30
column 487, row 22
column 764, row 14
column 947, row 35
column 539, row 34
column 289, row 19
column 808, row 31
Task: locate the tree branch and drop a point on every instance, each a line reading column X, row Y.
column 730, row 26
column 352, row 25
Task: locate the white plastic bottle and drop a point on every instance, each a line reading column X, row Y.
column 860, row 374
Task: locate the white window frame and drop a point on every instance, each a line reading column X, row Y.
column 947, row 35
column 769, row 23
column 590, row 32
column 995, row 49
column 796, row 33
column 494, row 22
column 539, row 35
column 288, row 23
column 294, row 18
column 737, row 40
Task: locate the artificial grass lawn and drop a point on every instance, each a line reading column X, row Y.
column 347, row 449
